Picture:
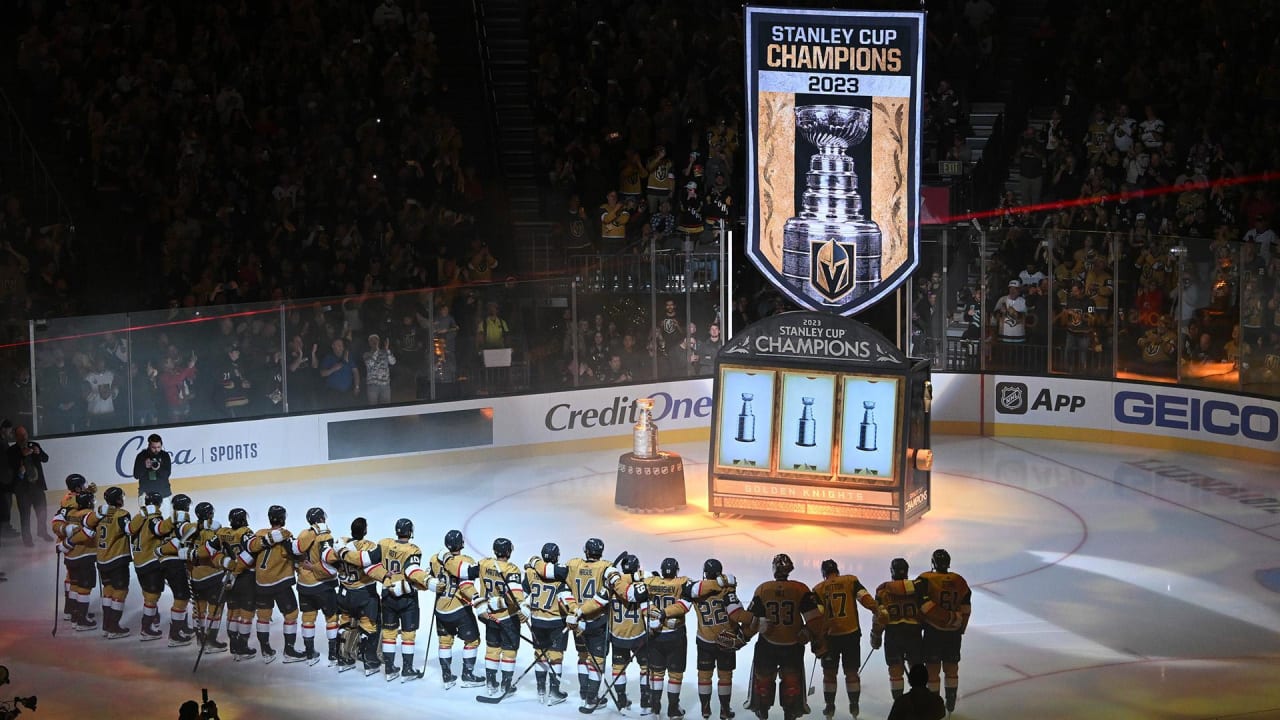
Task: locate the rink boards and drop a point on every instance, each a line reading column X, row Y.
column 1157, row 416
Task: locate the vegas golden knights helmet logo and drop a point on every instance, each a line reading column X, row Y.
column 831, row 269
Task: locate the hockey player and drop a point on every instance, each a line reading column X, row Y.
column 358, row 595
column 721, row 618
column 146, row 540
column 455, row 591
column 174, row 568
column 546, row 605
column 669, row 649
column 206, row 576
column 79, row 551
column 783, row 608
column 946, row 616
column 113, row 561
column 76, row 484
column 317, row 584
column 499, row 597
column 585, row 578
column 837, row 594
column 628, row 618
column 897, row 621
column 274, row 575
column 401, row 574
column 234, row 557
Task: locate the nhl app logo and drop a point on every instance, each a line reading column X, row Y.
column 1011, row 398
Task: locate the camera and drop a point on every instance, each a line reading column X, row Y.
column 10, row 709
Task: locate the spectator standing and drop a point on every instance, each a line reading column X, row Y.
column 1030, row 167
column 341, row 378
column 59, row 392
column 1261, row 234
column 100, row 400
column 233, row 384
column 152, row 467
column 661, row 180
column 1011, row 311
column 613, row 224
column 492, row 330
column 26, row 480
column 176, row 387
column 378, row 360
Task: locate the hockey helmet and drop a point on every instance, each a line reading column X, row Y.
column 551, row 552
column 899, row 569
column 315, row 516
column 114, row 497
column 712, row 569
column 359, row 528
column 75, row 481
column 594, row 548
column 84, row 500
column 502, row 548
column 180, row 502
column 829, row 568
column 453, row 541
column 404, row 528
column 782, row 566
column 204, row 511
column 630, row 564
column 941, row 560
column 276, row 515
column 151, row 502
column 669, row 568
column 238, row 518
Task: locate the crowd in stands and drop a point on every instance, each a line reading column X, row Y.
column 279, row 151
column 1156, row 253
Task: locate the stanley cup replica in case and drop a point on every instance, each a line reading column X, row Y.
column 830, row 251
column 817, row 417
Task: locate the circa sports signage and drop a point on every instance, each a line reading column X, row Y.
column 833, row 107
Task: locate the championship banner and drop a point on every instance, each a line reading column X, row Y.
column 834, row 104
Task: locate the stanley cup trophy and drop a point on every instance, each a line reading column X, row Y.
column 830, row 252
column 644, row 437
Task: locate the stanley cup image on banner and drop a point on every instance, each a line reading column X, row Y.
column 834, row 102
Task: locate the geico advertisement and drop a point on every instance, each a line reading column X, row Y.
column 1194, row 414
column 1131, row 407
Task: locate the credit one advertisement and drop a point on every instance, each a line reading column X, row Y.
column 278, row 443
column 1160, row 410
column 833, row 132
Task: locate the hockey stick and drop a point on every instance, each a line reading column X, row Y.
column 539, row 654
column 812, row 669
column 204, row 637
column 864, row 662
column 57, row 589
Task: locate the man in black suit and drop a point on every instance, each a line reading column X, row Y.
column 26, row 478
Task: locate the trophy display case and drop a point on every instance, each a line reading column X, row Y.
column 817, row 417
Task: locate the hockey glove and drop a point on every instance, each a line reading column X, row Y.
column 876, row 639
column 275, row 537
column 497, row 604
column 433, row 584
column 526, row 613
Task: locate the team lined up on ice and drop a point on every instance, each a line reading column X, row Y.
column 368, row 593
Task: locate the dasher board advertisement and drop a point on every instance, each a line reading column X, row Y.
column 834, row 107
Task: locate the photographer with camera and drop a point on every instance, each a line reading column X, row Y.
column 26, row 482
column 12, row 709
column 151, row 468
column 204, row 710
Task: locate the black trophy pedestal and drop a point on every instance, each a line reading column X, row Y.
column 650, row 485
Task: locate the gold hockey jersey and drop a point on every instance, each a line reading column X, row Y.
column 273, row 563
column 457, row 588
column 837, row 596
column 784, row 608
column 315, row 565
column 668, row 595
column 500, row 579
column 113, row 535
